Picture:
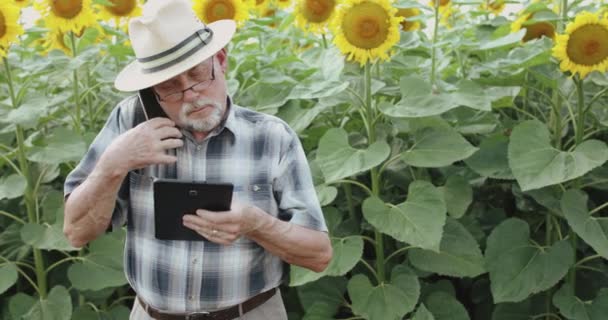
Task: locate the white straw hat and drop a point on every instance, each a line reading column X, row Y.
column 169, row 39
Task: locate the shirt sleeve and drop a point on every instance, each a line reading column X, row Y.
column 294, row 189
column 114, row 126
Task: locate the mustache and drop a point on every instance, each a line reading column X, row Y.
column 188, row 107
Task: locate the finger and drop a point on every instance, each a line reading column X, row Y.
column 165, row 159
column 167, row 132
column 160, row 122
column 171, row 144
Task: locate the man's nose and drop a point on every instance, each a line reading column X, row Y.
column 190, row 95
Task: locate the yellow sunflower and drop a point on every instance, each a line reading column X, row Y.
column 214, row 10
column 314, row 15
column 282, row 4
column 55, row 39
column 121, row 11
column 407, row 24
column 365, row 30
column 67, row 15
column 22, row 3
column 442, row 3
column 495, row 6
column 10, row 29
column 259, row 7
column 584, row 47
column 535, row 30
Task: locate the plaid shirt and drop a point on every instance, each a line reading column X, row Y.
column 262, row 157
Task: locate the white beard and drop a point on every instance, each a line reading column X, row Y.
column 201, row 125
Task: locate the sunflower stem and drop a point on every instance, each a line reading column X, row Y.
column 433, row 47
column 348, row 193
column 375, row 177
column 580, row 122
column 324, row 41
column 29, row 195
column 564, row 12
column 75, row 86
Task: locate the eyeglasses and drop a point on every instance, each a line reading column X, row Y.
column 197, row 87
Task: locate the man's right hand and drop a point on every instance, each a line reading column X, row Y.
column 143, row 145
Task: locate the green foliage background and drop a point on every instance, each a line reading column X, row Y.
column 464, row 179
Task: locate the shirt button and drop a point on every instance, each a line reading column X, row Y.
column 256, row 187
column 199, row 148
column 190, row 298
column 194, row 261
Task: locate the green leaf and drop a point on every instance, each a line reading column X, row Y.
column 444, row 306
column 407, row 281
column 27, row 114
column 458, row 195
column 327, row 289
column 314, row 88
column 423, row 313
column 346, row 254
column 384, row 302
column 508, row 40
column 536, row 164
column 512, row 311
column 338, row 159
column 418, row 221
column 593, row 230
column 492, row 158
column 20, row 304
column 519, row 268
column 12, row 186
column 437, row 147
column 299, row 118
column 57, row 306
column 327, row 194
column 320, row 310
column 575, row 309
column 62, row 145
column 46, row 237
column 102, row 266
column 459, row 254
column 8, row 276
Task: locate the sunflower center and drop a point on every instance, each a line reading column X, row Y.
column 122, row 7
column 588, row 45
column 66, row 9
column 2, row 25
column 318, row 10
column 366, row 25
column 538, row 30
column 220, row 9
column 407, row 13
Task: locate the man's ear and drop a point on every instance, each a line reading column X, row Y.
column 222, row 58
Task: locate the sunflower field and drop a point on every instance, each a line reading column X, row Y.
column 459, row 151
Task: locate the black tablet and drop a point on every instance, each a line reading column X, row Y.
column 175, row 198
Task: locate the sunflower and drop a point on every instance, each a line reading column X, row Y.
column 584, row 47
column 282, row 4
column 535, row 30
column 214, row 10
column 55, row 39
column 67, row 15
column 365, row 30
column 406, row 23
column 495, row 6
column 314, row 15
column 121, row 11
column 10, row 29
column 259, row 7
column 22, row 3
column 442, row 3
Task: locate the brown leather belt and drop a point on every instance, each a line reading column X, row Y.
column 224, row 314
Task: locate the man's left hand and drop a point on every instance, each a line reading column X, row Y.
column 225, row 227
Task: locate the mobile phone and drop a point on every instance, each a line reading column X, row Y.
column 150, row 105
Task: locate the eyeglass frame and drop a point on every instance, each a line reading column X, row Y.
column 182, row 93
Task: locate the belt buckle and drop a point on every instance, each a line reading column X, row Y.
column 196, row 315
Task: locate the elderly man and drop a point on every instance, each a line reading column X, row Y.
column 198, row 135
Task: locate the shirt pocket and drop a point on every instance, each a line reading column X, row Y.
column 259, row 195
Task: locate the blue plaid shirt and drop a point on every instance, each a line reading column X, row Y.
column 262, row 157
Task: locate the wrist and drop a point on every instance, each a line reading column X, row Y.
column 259, row 221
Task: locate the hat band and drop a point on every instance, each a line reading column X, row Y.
column 178, row 53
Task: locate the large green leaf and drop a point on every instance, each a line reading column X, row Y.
column 12, row 186
column 536, row 164
column 338, row 159
column 459, row 254
column 326, row 194
column 593, row 230
column 8, row 276
column 102, row 267
column 444, row 306
column 61, row 146
column 437, row 147
column 422, row 313
column 405, row 279
column 492, row 158
column 57, row 306
column 383, row 302
column 346, row 254
column 458, row 195
column 327, row 289
column 513, row 311
column 315, row 88
column 46, row 237
column 519, row 268
column 509, row 39
column 574, row 308
column 20, row 304
column 418, row 221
